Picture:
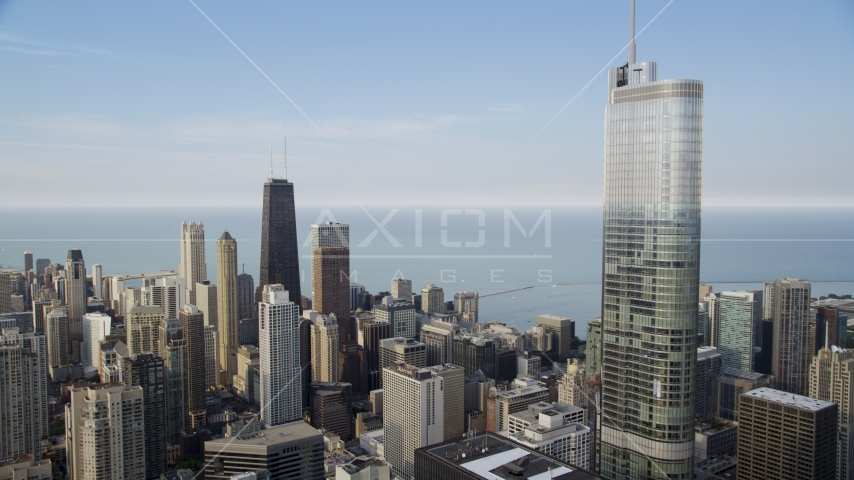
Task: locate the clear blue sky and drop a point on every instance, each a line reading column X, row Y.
column 135, row 103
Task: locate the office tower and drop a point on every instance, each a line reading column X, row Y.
column 593, row 355
column 5, row 292
column 709, row 363
column 432, row 299
column 173, row 349
column 785, row 436
column 279, row 254
column 353, row 368
column 41, row 265
column 247, row 356
column 324, row 348
column 737, row 316
column 575, row 389
column 331, row 404
column 330, row 274
column 192, row 268
column 525, row 391
column 454, row 399
column 226, row 274
column 75, row 294
column 766, row 356
column 831, row 327
column 104, row 438
column 23, row 393
column 768, row 301
column 732, row 384
column 563, row 330
column 653, row 158
column 413, row 414
column 704, row 327
column 147, row 371
column 356, row 289
column 247, row 331
column 791, row 335
column 96, row 327
column 212, row 353
column 305, row 328
column 373, row 333
column 28, row 261
column 547, row 430
column 287, row 451
column 194, row 333
column 406, row 350
column 207, row 300
column 438, row 337
column 168, row 292
column 97, row 280
column 143, row 329
column 246, row 296
column 465, row 304
column 476, row 391
column 401, row 288
column 473, row 353
column 56, row 337
column 832, row 380
column 278, row 318
column 400, row 315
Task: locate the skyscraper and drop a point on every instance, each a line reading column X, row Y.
column 454, row 400
column 406, row 350
column 737, row 317
column 28, row 261
column 75, row 294
column 147, row 371
column 173, row 349
column 831, row 325
column 97, row 280
column 330, row 280
column 279, row 348
column 246, row 296
column 212, row 353
column 401, row 288
column 103, row 434
column 709, row 362
column 594, row 347
column 373, row 333
column 193, row 322
column 207, row 300
column 5, row 292
column 96, row 326
column 562, row 330
column 279, row 254
column 832, row 380
column 192, row 268
column 23, row 393
column 465, row 304
column 791, row 353
column 331, row 407
column 432, row 299
column 56, row 334
column 653, row 159
column 226, row 274
column 399, row 315
column 143, row 329
column 324, row 348
column 438, row 337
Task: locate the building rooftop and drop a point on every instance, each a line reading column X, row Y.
column 290, row 432
column 792, row 400
column 734, row 372
column 706, row 352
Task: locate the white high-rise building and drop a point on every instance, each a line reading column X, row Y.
column 166, row 291
column 413, row 414
column 96, row 326
column 192, row 268
column 432, row 299
column 652, row 210
column 142, row 325
column 105, row 432
column 832, row 380
column 23, row 393
column 279, row 351
column 97, row 281
column 206, row 301
column 736, row 317
column 211, row 356
column 324, row 347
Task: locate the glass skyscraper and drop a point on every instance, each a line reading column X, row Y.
column 651, row 267
column 279, row 255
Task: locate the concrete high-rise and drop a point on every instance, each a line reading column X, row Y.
column 212, row 360
column 732, row 384
column 207, row 300
column 432, row 299
column 709, row 362
column 372, row 334
column 193, row 268
column 454, row 400
column 576, row 389
column 147, row 371
column 562, row 330
column 785, row 436
column 56, row 335
column 402, row 288
column 173, row 349
column 96, row 326
column 23, row 393
column 193, row 322
column 652, row 203
column 737, row 317
column 831, row 327
column 75, row 295
column 331, row 407
column 28, row 261
column 97, row 280
column 594, row 347
column 143, row 329
column 279, row 365
column 465, row 304
column 438, row 337
column 279, row 254
column 832, row 380
column 399, row 315
column 166, row 291
column 330, row 282
column 246, row 296
column 413, row 414
column 104, row 434
column 791, row 355
column 399, row 349
column 324, row 348
column 226, row 275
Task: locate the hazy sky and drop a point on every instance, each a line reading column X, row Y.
column 146, row 103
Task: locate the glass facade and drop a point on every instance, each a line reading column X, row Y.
column 651, row 267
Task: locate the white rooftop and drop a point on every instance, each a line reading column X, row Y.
column 483, row 465
column 790, row 399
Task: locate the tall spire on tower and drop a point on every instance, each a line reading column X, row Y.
column 286, row 152
column 271, row 154
column 632, row 43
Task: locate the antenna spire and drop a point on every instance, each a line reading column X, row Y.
column 632, row 43
column 286, row 151
column 271, row 154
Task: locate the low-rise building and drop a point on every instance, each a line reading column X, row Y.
column 554, row 429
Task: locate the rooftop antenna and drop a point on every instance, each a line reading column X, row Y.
column 286, row 151
column 632, row 43
column 271, row 154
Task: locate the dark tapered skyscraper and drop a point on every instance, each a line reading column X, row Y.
column 279, row 255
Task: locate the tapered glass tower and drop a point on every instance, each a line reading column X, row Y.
column 279, row 255
column 651, row 267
